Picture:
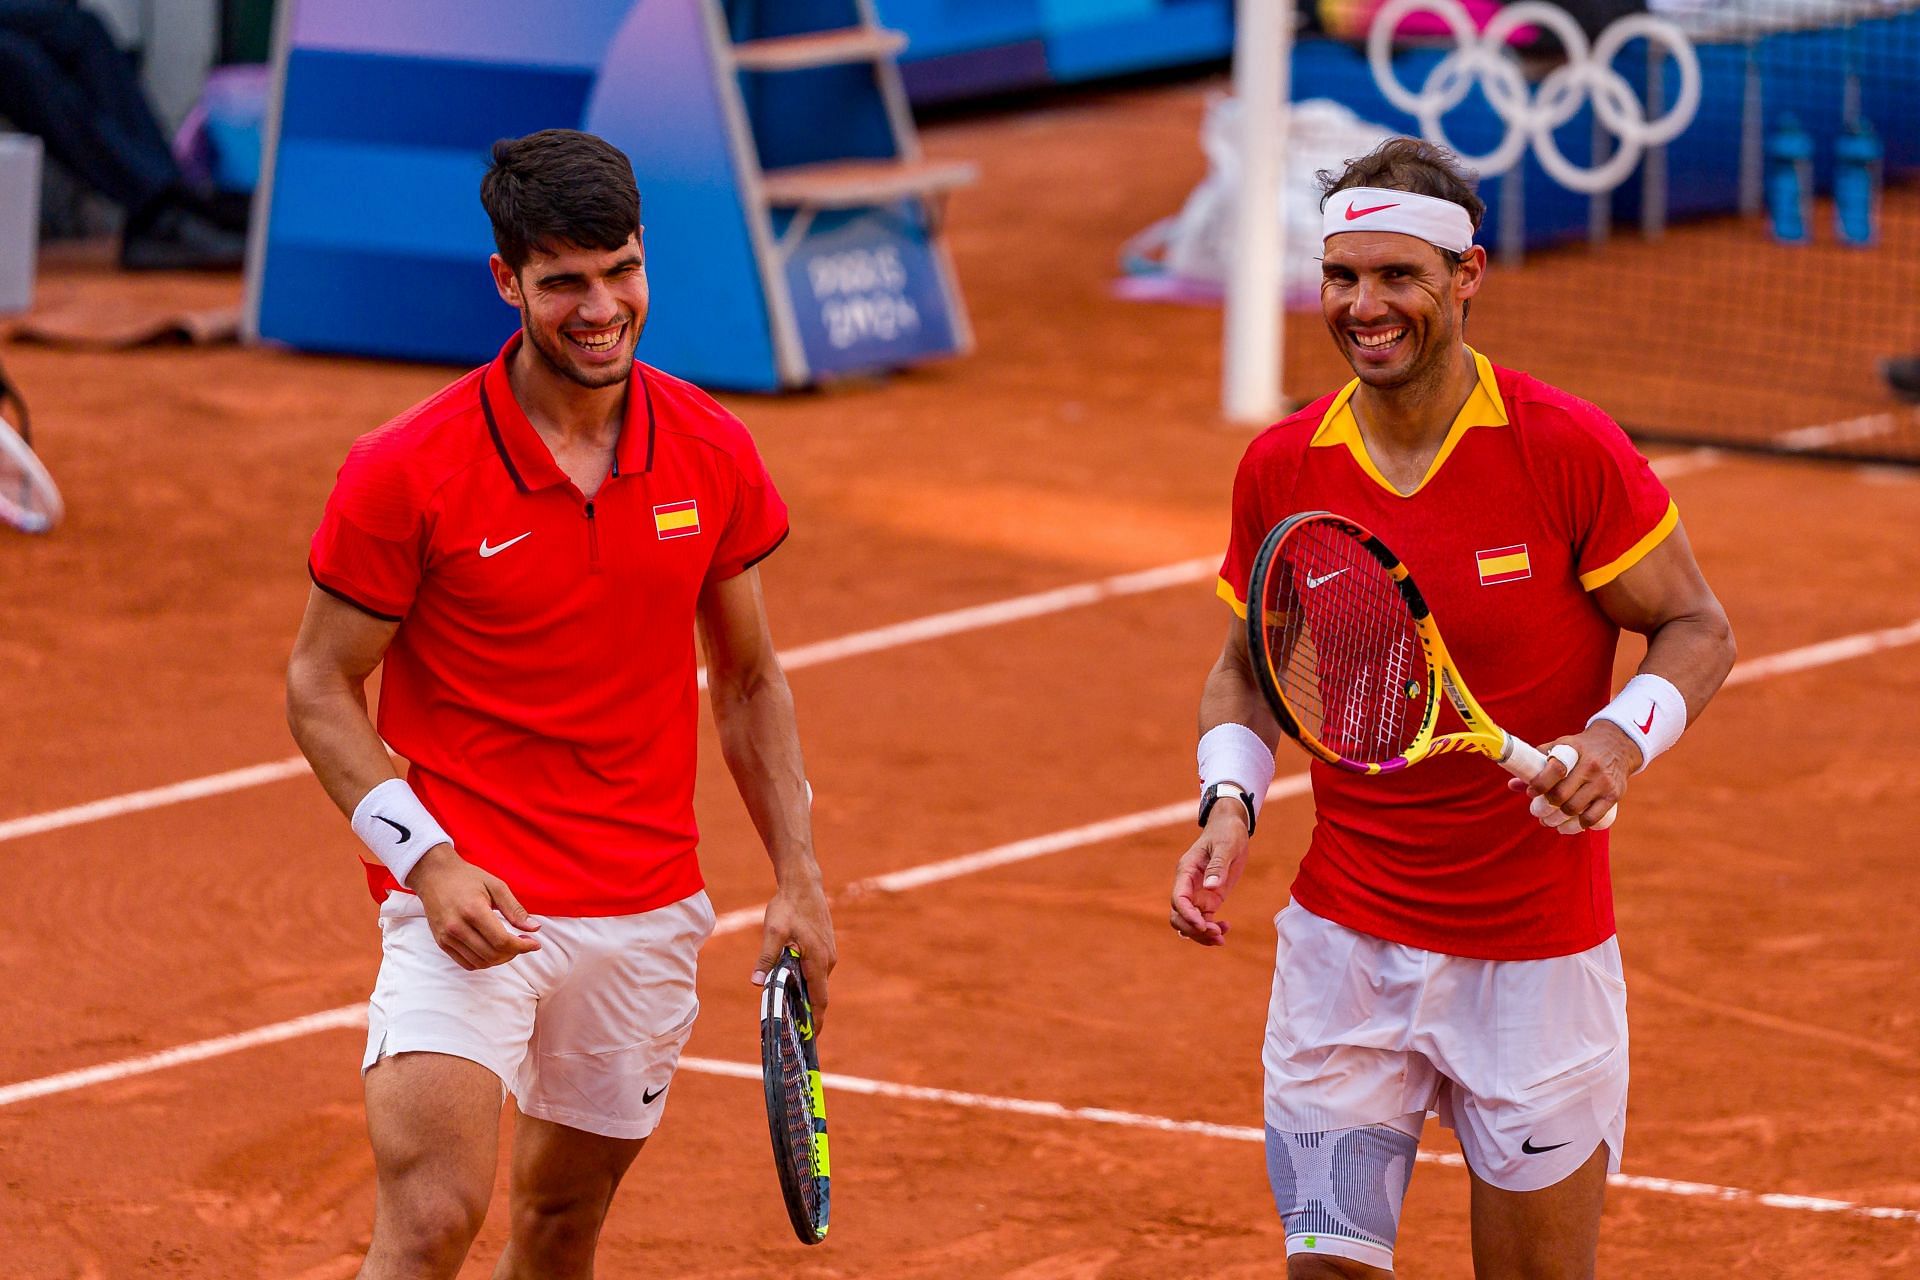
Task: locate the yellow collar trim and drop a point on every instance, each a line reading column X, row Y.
column 1482, row 409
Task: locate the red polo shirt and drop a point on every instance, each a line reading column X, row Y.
column 1534, row 501
column 542, row 681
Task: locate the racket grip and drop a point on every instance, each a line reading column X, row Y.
column 1524, row 760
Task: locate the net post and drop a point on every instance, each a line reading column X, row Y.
column 1513, row 216
column 1653, row 166
column 1255, row 311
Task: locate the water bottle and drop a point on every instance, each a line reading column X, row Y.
column 1857, row 160
column 1790, row 181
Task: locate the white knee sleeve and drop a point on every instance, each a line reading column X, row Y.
column 1339, row 1192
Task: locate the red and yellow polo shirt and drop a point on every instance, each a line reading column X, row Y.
column 542, row 682
column 1535, row 499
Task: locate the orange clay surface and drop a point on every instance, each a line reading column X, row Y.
column 1768, row 896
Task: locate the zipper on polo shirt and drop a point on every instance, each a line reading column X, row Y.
column 593, row 540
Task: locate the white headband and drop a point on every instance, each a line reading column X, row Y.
column 1441, row 223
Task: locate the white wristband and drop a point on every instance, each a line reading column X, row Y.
column 396, row 827
column 1649, row 710
column 1234, row 753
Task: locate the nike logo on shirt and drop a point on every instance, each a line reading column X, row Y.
column 487, row 552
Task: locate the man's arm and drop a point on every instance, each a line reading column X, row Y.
column 1689, row 644
column 337, row 649
column 753, row 711
column 1211, row 866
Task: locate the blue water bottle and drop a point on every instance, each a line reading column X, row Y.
column 1790, row 181
column 1857, row 163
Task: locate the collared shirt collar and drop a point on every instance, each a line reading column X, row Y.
column 1483, row 408
column 526, row 456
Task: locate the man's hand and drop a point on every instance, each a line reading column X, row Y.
column 1596, row 784
column 1207, row 872
column 464, row 909
column 798, row 914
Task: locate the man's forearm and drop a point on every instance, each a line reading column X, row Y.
column 1693, row 653
column 328, row 717
column 760, row 740
column 1230, row 696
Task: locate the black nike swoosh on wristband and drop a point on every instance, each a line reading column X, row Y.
column 405, row 835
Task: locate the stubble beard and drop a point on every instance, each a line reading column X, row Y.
column 554, row 356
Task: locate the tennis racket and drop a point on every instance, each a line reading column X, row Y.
column 1352, row 662
column 29, row 501
column 796, row 1105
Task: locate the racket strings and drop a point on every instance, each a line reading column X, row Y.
column 1341, row 645
column 796, row 1119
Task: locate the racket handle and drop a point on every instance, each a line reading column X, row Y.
column 1524, row 760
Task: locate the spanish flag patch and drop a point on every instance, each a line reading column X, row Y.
column 677, row 519
column 1503, row 564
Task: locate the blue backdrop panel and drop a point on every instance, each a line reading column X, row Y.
column 802, row 117
column 572, row 34
column 362, row 302
column 377, row 243
column 709, row 321
column 1703, row 163
column 399, row 200
column 963, row 48
column 373, row 98
column 936, row 28
column 1164, row 35
column 867, row 291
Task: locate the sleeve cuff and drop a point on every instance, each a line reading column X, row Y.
column 347, row 598
column 1234, row 602
column 1635, row 554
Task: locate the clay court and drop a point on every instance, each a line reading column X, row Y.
column 1769, row 905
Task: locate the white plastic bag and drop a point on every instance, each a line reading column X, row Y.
column 1184, row 256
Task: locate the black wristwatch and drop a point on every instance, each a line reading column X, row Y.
column 1218, row 789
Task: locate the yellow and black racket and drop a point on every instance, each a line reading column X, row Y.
column 1351, row 660
column 796, row 1105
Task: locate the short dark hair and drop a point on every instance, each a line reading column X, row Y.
column 559, row 186
column 1409, row 164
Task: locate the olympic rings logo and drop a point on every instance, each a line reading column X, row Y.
column 1480, row 57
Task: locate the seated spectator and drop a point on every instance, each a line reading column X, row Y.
column 62, row 77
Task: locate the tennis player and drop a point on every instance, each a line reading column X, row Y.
column 530, row 552
column 1447, row 948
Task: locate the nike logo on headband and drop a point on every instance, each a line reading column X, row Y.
column 1353, row 213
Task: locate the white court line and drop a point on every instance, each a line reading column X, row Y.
column 1824, row 653
column 355, row 1015
column 1864, row 427
column 1245, row 1133
column 934, row 626
column 1003, row 855
column 1168, row 815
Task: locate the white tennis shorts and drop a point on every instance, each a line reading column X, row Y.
column 1525, row 1060
column 586, row 1031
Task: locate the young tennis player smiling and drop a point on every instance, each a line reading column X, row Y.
column 530, row 553
column 1450, row 946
